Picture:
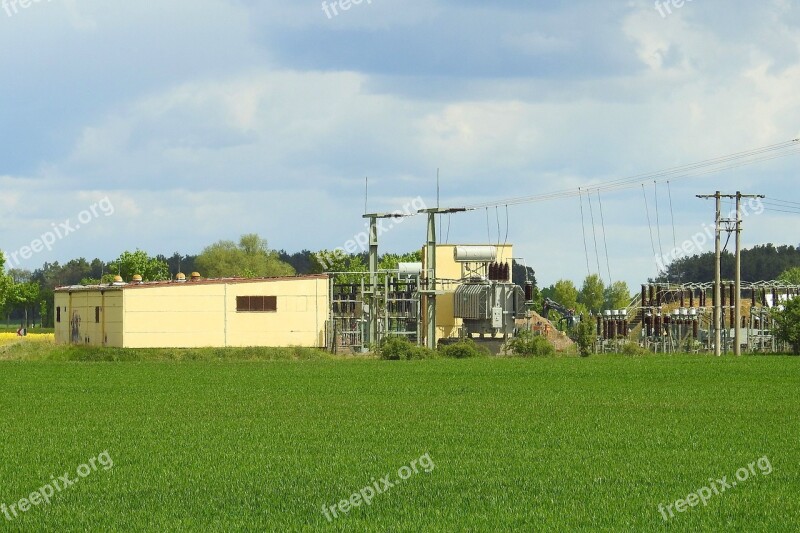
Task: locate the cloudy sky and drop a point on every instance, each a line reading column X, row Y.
column 202, row 120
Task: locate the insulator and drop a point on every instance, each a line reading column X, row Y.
column 612, row 330
column 753, row 298
column 683, row 298
column 529, row 292
column 644, row 295
column 691, row 298
column 599, row 325
column 733, row 294
column 722, row 293
column 659, row 296
column 652, row 295
column 507, row 276
column 605, row 329
column 696, row 328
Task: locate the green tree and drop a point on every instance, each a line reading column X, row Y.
column 5, row 284
column 565, row 293
column 128, row 264
column 391, row 261
column 791, row 276
column 592, row 294
column 27, row 297
column 251, row 258
column 617, row 296
column 787, row 324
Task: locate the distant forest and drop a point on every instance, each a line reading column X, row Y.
column 760, row 263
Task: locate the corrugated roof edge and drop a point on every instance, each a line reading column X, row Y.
column 173, row 283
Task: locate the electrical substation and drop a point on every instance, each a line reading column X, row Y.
column 467, row 291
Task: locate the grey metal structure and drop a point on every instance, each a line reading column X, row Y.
column 489, row 307
column 431, row 290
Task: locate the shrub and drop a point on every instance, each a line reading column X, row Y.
column 787, row 324
column 585, row 337
column 633, row 349
column 526, row 344
column 463, row 349
column 401, row 349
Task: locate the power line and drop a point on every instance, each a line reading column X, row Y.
column 781, row 201
column 658, row 222
column 605, row 242
column 505, row 242
column 594, row 233
column 649, row 225
column 497, row 217
column 672, row 219
column 701, row 168
column 583, row 228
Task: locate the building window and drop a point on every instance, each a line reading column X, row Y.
column 96, row 315
column 256, row 304
column 58, row 315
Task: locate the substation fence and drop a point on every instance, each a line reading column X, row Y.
column 670, row 318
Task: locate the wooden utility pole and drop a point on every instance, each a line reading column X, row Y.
column 734, row 225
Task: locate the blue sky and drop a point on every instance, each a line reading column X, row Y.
column 206, row 119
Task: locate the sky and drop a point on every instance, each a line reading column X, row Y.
column 167, row 126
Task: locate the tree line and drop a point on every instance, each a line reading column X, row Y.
column 759, row 263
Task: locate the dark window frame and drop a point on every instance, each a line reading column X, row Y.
column 256, row 304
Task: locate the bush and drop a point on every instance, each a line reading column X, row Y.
column 526, row 344
column 787, row 324
column 585, row 337
column 633, row 349
column 463, row 349
column 401, row 349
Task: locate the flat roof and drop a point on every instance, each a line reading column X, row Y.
column 174, row 283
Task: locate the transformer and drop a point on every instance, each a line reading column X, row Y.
column 489, row 307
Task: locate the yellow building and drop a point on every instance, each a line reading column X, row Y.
column 449, row 275
column 199, row 313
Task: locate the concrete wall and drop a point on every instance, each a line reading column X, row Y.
column 89, row 317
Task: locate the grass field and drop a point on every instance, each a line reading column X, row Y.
column 518, row 444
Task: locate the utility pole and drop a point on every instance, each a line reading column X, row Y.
column 371, row 294
column 430, row 292
column 737, row 297
column 717, row 272
column 737, row 349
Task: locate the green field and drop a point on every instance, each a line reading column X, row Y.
column 518, row 444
